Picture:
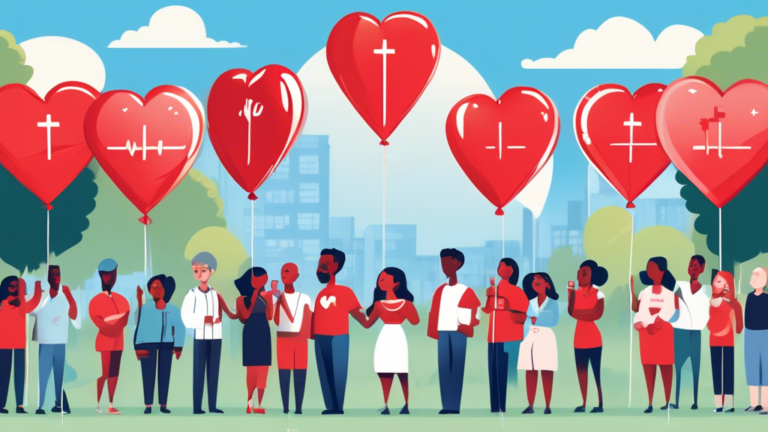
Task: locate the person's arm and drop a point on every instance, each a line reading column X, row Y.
column 242, row 312
column 593, row 314
column 270, row 307
column 550, row 315
column 356, row 310
column 572, row 301
column 104, row 327
column 72, row 303
column 179, row 333
column 306, row 321
column 490, row 304
column 225, row 307
column 28, row 306
column 413, row 314
column 468, row 306
column 635, row 302
column 372, row 318
column 193, row 315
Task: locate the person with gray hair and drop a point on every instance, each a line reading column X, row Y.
column 201, row 311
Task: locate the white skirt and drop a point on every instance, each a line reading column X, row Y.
column 391, row 352
column 538, row 351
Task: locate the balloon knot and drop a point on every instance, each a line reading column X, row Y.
column 630, row 205
column 48, row 207
column 384, row 143
column 252, row 196
column 145, row 220
column 499, row 212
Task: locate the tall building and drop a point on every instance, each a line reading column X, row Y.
column 291, row 215
column 341, row 235
column 571, row 234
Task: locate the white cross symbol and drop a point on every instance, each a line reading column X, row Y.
column 632, row 144
column 131, row 148
column 249, row 114
column 384, row 52
column 500, row 146
column 753, row 112
column 48, row 124
column 705, row 122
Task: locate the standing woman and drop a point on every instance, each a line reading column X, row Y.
column 724, row 316
column 506, row 306
column 393, row 304
column 538, row 352
column 586, row 305
column 756, row 341
column 254, row 308
column 655, row 306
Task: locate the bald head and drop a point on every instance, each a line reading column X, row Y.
column 289, row 273
column 759, row 278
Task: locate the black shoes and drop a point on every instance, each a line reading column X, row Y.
column 386, row 411
column 528, row 410
column 649, row 409
column 40, row 411
column 405, row 410
column 580, row 409
column 597, row 410
column 20, row 410
column 164, row 410
column 148, row 410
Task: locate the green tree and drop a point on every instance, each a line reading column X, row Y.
column 606, row 240
column 12, row 58
column 115, row 231
column 735, row 51
column 562, row 267
column 24, row 220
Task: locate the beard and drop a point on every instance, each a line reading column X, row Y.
column 105, row 288
column 323, row 277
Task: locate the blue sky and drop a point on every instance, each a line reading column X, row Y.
column 494, row 36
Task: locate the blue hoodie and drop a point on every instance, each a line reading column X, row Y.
column 157, row 326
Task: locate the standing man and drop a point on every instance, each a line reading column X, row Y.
column 109, row 312
column 452, row 319
column 14, row 308
column 201, row 312
column 294, row 326
column 693, row 317
column 331, row 329
column 51, row 332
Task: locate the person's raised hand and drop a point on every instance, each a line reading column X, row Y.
column 639, row 326
column 65, row 290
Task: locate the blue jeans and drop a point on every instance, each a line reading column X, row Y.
column 332, row 354
column 206, row 362
column 756, row 357
column 687, row 345
column 51, row 358
column 451, row 354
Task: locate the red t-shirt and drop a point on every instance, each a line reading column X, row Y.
column 719, row 320
column 103, row 311
column 511, row 298
column 587, row 334
column 332, row 307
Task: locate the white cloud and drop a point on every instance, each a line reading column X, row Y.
column 57, row 59
column 425, row 185
column 623, row 43
column 172, row 27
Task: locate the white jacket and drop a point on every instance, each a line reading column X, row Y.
column 197, row 305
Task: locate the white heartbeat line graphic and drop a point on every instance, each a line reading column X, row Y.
column 718, row 117
column 632, row 144
column 131, row 148
column 48, row 124
column 500, row 147
column 384, row 51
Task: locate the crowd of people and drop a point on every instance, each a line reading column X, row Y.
column 670, row 316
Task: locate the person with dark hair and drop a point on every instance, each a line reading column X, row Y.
column 654, row 308
column 452, row 319
column 202, row 312
column 586, row 304
column 538, row 352
column 725, row 319
column 14, row 308
column 506, row 306
column 255, row 308
column 294, row 326
column 693, row 298
column 393, row 303
column 109, row 311
column 51, row 331
column 159, row 334
column 331, row 329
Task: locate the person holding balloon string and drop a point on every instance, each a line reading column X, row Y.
column 725, row 317
column 654, row 308
column 506, row 306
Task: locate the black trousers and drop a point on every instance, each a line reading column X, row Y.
column 722, row 369
column 498, row 362
column 158, row 364
column 206, row 363
column 15, row 358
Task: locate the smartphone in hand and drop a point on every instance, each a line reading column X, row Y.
column 571, row 285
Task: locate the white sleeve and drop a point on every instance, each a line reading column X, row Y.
column 308, row 302
column 600, row 295
column 191, row 316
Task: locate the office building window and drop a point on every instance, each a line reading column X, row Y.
column 310, row 248
column 277, row 222
column 283, row 170
column 309, row 164
column 309, row 192
column 309, row 221
column 279, row 197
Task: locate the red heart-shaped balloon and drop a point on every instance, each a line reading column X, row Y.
column 253, row 120
column 617, row 133
column 717, row 139
column 42, row 141
column 383, row 67
column 501, row 145
column 145, row 145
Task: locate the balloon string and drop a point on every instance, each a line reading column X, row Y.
column 47, row 242
column 384, row 210
column 252, row 233
column 720, row 237
column 631, row 326
column 145, row 254
column 533, row 262
column 503, row 254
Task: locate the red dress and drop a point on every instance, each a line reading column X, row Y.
column 103, row 311
column 587, row 335
column 657, row 348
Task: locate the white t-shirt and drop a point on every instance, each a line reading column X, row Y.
column 694, row 308
column 197, row 305
column 664, row 301
column 296, row 303
column 451, row 315
column 52, row 320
